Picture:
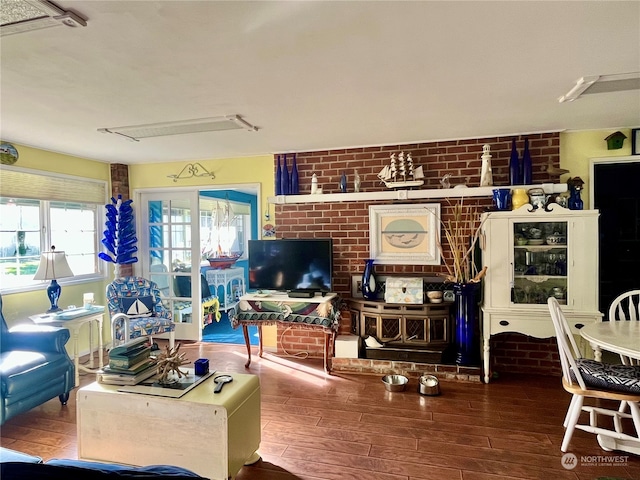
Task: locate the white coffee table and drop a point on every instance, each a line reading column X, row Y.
column 211, row 434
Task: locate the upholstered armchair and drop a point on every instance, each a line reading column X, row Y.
column 34, row 367
column 136, row 309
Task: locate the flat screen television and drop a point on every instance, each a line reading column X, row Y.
column 289, row 264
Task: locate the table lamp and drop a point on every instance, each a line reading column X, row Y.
column 53, row 265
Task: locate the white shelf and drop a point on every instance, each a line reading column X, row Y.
column 408, row 194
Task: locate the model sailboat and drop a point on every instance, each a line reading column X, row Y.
column 401, row 173
column 220, row 255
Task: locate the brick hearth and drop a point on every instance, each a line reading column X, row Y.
column 411, row 370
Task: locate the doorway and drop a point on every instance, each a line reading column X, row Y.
column 617, row 197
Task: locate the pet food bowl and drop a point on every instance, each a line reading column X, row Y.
column 395, row 383
column 429, row 385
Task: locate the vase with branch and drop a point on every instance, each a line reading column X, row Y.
column 462, row 232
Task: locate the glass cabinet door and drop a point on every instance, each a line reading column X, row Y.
column 539, row 262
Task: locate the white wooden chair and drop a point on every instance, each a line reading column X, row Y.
column 626, row 307
column 585, row 378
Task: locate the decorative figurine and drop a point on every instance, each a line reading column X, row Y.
column 356, row 182
column 486, row 174
column 575, row 187
column 343, row 183
column 401, row 173
column 314, row 184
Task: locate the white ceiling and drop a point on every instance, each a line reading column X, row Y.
column 313, row 75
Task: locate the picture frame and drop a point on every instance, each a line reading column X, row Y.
column 405, row 234
column 635, row 141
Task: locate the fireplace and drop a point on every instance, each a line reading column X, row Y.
column 407, row 332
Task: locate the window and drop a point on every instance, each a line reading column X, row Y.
column 40, row 211
column 29, row 227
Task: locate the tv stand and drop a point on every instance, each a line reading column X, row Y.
column 319, row 312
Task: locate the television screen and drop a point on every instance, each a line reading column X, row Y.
column 288, row 264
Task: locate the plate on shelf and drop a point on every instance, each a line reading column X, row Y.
column 536, row 241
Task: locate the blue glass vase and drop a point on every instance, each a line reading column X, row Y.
column 514, row 165
column 343, row 183
column 527, row 168
column 284, row 177
column 294, row 186
column 369, row 285
column 467, row 327
column 278, row 177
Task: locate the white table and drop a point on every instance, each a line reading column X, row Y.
column 232, row 282
column 74, row 325
column 211, row 434
column 621, row 337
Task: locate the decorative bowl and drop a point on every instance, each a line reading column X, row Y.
column 395, row 383
column 435, row 296
column 556, row 239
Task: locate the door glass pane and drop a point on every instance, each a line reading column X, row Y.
column 539, row 262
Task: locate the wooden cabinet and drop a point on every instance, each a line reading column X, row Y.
column 532, row 255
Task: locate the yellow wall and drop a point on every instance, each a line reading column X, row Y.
column 576, row 148
column 17, row 306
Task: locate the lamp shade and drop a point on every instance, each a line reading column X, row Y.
column 53, row 265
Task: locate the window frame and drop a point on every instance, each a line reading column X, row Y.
column 45, row 206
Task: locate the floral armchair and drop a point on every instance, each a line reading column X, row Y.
column 136, row 309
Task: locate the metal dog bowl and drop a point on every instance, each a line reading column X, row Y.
column 429, row 385
column 395, row 383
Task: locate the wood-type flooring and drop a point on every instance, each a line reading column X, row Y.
column 348, row 427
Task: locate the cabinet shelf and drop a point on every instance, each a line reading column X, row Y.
column 408, row 194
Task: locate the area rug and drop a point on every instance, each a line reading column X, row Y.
column 221, row 332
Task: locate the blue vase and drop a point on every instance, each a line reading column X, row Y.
column 514, row 165
column 278, row 177
column 284, row 177
column 527, row 168
column 294, row 187
column 369, row 285
column 343, row 183
column 467, row 327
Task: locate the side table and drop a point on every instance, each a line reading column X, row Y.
column 74, row 320
column 232, row 282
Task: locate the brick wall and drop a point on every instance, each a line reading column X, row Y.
column 348, row 222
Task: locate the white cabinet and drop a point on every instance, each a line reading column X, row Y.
column 532, row 255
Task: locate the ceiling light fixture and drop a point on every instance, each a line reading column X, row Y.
column 19, row 16
column 602, row 84
column 212, row 124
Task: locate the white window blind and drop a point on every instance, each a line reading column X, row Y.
column 18, row 183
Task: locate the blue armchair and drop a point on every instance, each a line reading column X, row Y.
column 34, row 367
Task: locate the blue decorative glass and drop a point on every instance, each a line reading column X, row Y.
column 514, row 165
column 369, row 285
column 284, row 177
column 527, row 168
column 278, row 177
column 343, row 183
column 467, row 327
column 294, row 186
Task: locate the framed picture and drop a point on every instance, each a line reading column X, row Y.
column 635, row 141
column 405, row 234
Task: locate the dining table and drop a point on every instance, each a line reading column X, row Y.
column 621, row 337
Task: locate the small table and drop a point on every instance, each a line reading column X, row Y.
column 621, row 337
column 74, row 320
column 232, row 282
column 211, row 434
column 320, row 312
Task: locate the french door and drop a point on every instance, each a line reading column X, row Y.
column 168, row 223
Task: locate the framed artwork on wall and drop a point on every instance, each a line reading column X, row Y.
column 404, row 234
column 635, row 141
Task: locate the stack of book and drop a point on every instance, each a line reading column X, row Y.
column 129, row 363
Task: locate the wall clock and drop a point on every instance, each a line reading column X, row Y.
column 8, row 154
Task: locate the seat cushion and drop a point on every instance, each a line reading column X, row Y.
column 606, row 376
column 21, row 371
